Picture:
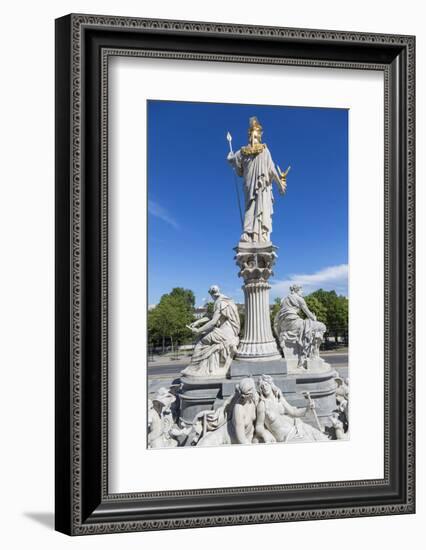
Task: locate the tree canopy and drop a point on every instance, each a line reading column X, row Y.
column 275, row 309
column 331, row 309
column 168, row 319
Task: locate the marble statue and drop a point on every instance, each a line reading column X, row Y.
column 217, row 339
column 299, row 338
column 232, row 423
column 277, row 420
column 254, row 163
column 160, row 420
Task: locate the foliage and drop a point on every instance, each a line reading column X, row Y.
column 275, row 309
column 335, row 313
column 167, row 321
column 210, row 308
column 317, row 307
column 185, row 294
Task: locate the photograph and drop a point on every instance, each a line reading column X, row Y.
column 248, row 274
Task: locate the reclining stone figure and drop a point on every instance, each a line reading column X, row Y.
column 277, row 420
column 232, row 423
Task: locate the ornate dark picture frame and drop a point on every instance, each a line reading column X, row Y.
column 84, row 44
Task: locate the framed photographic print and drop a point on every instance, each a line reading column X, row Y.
column 234, row 274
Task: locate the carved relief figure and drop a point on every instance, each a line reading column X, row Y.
column 299, row 338
column 218, row 338
column 277, row 420
column 160, row 420
column 233, row 423
column 254, row 163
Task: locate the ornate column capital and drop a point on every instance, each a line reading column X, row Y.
column 255, row 261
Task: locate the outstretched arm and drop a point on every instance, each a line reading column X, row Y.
column 199, row 322
column 211, row 324
column 274, row 174
column 280, row 179
column 303, row 306
column 290, row 410
column 234, row 160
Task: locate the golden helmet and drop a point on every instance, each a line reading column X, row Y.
column 254, row 124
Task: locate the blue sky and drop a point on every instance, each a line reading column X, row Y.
column 193, row 221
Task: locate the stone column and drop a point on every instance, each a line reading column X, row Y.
column 255, row 261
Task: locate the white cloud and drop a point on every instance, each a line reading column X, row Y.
column 334, row 277
column 159, row 212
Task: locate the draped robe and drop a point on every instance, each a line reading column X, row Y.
column 214, row 348
column 258, row 171
column 290, row 327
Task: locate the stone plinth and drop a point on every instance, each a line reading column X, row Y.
column 198, row 395
column 256, row 368
column 255, row 261
column 314, row 365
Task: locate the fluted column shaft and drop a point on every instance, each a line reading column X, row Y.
column 255, row 261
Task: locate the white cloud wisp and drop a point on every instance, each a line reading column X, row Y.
column 159, row 212
column 330, row 278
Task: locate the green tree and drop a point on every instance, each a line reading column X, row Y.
column 274, row 310
column 168, row 320
column 317, row 308
column 337, row 308
column 185, row 294
column 342, row 317
column 210, row 308
column 159, row 323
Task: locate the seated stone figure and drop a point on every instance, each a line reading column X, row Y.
column 218, row 339
column 232, row 423
column 299, row 338
column 277, row 420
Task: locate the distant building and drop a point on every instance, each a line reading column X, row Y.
column 200, row 312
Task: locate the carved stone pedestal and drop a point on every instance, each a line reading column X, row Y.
column 259, row 354
column 311, row 365
column 198, row 395
column 206, row 394
column 320, row 384
column 255, row 261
